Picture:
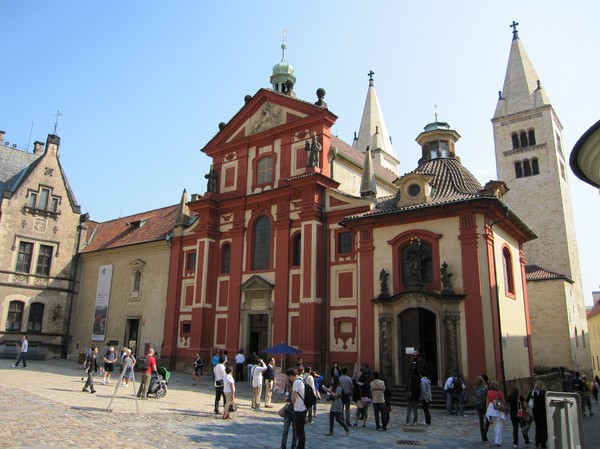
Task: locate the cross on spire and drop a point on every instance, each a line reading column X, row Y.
column 371, row 73
column 435, row 113
column 514, row 25
column 57, row 115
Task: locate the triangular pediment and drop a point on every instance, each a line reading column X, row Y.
column 256, row 283
column 265, row 111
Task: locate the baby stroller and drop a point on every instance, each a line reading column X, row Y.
column 159, row 382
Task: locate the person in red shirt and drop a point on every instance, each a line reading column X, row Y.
column 147, row 375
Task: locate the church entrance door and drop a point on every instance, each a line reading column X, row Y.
column 418, row 330
column 258, row 333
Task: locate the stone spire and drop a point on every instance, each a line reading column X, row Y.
column 373, row 132
column 283, row 78
column 368, row 186
column 522, row 87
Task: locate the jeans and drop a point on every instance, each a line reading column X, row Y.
column 287, row 421
column 22, row 357
column 459, row 400
column 484, row 424
column 425, row 405
column 239, row 372
column 412, row 405
column 299, row 418
column 346, row 411
column 218, row 395
column 90, row 381
column 338, row 417
column 448, row 402
column 380, row 409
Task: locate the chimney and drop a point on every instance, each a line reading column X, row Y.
column 1, row 137
column 52, row 144
column 38, row 147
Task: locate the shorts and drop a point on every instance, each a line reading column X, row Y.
column 109, row 367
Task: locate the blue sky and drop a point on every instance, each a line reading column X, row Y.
column 142, row 86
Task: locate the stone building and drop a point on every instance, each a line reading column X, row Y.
column 122, row 278
column 39, row 236
column 304, row 239
column 531, row 160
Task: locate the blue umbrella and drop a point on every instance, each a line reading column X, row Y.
column 281, row 349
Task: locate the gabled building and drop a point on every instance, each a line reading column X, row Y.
column 531, row 160
column 123, row 280
column 39, row 236
column 304, row 239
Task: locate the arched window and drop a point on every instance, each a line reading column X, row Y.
column 531, row 136
column 14, row 317
column 36, row 317
column 264, row 170
column 526, row 167
column 524, row 142
column 515, row 140
column 518, row 169
column 509, row 279
column 226, row 258
column 261, row 244
column 535, row 166
column 434, row 150
column 296, row 249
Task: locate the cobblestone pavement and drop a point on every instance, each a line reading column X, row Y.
column 43, row 406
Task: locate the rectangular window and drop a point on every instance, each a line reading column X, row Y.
column 24, row 257
column 44, row 260
column 31, row 200
column 36, row 317
column 54, row 204
column 191, row 262
column 264, row 173
column 44, row 197
column 14, row 316
column 344, row 242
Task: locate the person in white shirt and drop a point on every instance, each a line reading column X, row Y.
column 257, row 381
column 229, row 391
column 219, row 374
column 304, row 373
column 23, row 353
column 239, row 366
column 299, row 407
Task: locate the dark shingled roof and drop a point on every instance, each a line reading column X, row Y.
column 123, row 231
column 536, row 273
column 13, row 162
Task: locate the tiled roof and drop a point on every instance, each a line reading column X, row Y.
column 595, row 311
column 156, row 225
column 13, row 162
column 359, row 158
column 536, row 273
column 451, row 183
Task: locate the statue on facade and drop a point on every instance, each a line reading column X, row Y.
column 415, row 257
column 446, row 285
column 314, row 148
column 211, row 185
column 383, row 278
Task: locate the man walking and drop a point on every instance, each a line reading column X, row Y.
column 219, row 375
column 426, row 397
column 299, row 407
column 91, row 367
column 239, row 366
column 346, row 384
column 23, row 353
column 146, row 374
column 379, row 407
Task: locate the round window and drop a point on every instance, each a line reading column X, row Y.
column 414, row 190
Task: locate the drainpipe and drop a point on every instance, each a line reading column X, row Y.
column 498, row 297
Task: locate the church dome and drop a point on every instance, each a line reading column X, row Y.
column 283, row 78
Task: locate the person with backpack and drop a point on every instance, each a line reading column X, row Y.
column 458, row 395
column 110, row 358
column 146, row 365
column 334, row 394
column 346, row 384
column 311, row 396
column 257, row 382
column 127, row 362
column 379, row 407
column 481, row 390
column 300, row 407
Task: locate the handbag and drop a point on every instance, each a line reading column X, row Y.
column 521, row 413
column 366, row 401
column 283, row 410
column 498, row 405
column 233, row 407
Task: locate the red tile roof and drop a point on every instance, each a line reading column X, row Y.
column 536, row 273
column 135, row 229
column 595, row 311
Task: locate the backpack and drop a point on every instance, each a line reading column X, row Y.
column 142, row 363
column 309, row 396
column 483, row 399
column 458, row 386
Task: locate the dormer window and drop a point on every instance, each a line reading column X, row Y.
column 42, row 200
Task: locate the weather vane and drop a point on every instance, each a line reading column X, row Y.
column 57, row 115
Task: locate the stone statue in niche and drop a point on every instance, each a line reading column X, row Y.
column 211, row 185
column 383, row 283
column 415, row 258
column 314, row 148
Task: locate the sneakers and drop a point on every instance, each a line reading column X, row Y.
column 14, row 366
column 348, row 432
column 103, row 382
column 93, row 391
column 85, row 390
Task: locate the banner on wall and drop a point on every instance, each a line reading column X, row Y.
column 102, row 299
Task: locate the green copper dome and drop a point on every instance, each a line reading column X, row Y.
column 283, row 78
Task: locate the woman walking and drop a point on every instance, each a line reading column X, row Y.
column 362, row 397
column 496, row 410
column 539, row 413
column 516, row 402
column 335, row 396
column 481, row 391
column 229, row 392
